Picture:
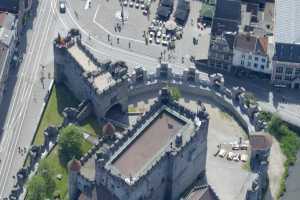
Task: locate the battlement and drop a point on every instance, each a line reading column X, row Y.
column 139, row 151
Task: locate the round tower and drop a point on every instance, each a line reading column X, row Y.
column 74, row 167
column 109, row 130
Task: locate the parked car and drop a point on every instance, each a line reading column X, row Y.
column 131, row 4
column 62, row 6
column 125, row 3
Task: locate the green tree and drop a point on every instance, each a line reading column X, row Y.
column 37, row 188
column 47, row 172
column 69, row 144
column 175, row 93
column 250, row 99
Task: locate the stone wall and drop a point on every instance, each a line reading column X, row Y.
column 68, row 72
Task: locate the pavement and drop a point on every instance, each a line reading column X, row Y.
column 22, row 104
column 24, row 100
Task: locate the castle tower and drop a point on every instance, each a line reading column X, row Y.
column 74, row 167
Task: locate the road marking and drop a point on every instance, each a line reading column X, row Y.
column 106, row 45
column 112, row 34
column 25, row 106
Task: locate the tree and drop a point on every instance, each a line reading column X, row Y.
column 250, row 99
column 175, row 93
column 36, row 188
column 69, row 144
column 47, row 173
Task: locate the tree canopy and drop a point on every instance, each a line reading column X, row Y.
column 69, row 141
column 37, row 188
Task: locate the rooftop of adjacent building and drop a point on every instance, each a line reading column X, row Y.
column 101, row 79
column 287, row 24
column 159, row 131
column 9, row 5
column 260, row 141
column 7, row 24
column 249, row 43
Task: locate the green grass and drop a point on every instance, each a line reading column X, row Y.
column 132, row 109
column 289, row 145
column 61, row 185
column 91, row 126
column 60, row 98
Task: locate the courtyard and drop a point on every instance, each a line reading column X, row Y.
column 228, row 178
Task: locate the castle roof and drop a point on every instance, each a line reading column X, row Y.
column 108, row 129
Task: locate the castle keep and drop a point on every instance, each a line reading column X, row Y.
column 158, row 158
column 104, row 84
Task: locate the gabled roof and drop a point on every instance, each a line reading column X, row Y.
column 9, row 6
column 248, row 43
column 167, row 3
column 228, row 9
column 221, row 26
column 163, row 11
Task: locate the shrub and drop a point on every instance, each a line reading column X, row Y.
column 69, row 144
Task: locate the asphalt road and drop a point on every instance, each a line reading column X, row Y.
column 24, row 107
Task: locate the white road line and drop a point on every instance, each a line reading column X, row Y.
column 112, row 34
column 14, row 99
column 42, row 44
column 106, row 45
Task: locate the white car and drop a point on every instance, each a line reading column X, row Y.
column 137, row 5
column 150, row 39
column 222, row 153
column 145, row 12
column 131, row 4
column 142, row 6
column 157, row 41
column 125, row 3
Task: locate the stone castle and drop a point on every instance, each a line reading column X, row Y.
column 158, row 158
column 104, row 84
column 130, row 165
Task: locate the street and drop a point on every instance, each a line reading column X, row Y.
column 24, row 107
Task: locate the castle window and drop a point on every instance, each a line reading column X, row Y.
column 163, row 180
column 256, row 58
column 289, row 70
column 279, row 69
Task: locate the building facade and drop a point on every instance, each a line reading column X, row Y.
column 251, row 53
column 286, row 59
column 286, row 65
column 224, row 28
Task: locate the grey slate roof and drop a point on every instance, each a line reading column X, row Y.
column 287, row 52
column 220, row 26
column 227, row 17
column 9, row 5
column 228, row 9
column 287, row 23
